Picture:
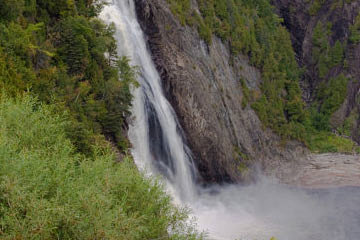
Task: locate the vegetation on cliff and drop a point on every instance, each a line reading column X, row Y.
column 60, row 51
column 355, row 31
column 252, row 28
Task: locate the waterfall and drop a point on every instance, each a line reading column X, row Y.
column 156, row 136
column 259, row 211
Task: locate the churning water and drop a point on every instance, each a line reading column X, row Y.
column 255, row 212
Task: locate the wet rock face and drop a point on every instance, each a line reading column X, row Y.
column 301, row 25
column 203, row 85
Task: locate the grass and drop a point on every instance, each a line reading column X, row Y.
column 324, row 142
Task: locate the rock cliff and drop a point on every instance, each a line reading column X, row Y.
column 339, row 16
column 203, row 84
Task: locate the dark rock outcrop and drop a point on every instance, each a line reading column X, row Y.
column 203, row 85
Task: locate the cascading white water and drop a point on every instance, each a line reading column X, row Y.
column 259, row 211
column 155, row 133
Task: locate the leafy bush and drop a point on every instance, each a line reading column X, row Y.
column 48, row 191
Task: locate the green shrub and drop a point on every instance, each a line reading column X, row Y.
column 182, row 9
column 334, row 94
column 355, row 31
column 349, row 124
column 48, row 191
column 325, row 56
column 322, row 142
column 315, row 6
column 10, row 10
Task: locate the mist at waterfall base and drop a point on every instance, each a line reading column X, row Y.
column 256, row 212
column 267, row 208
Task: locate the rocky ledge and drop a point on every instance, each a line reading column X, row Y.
column 326, row 171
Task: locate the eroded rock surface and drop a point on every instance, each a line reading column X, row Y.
column 327, row 171
column 203, row 85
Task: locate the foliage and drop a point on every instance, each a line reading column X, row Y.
column 333, row 95
column 58, row 177
column 322, row 142
column 315, row 6
column 319, row 137
column 325, row 56
column 355, row 31
column 252, row 28
column 330, row 94
column 246, row 94
column 182, row 9
column 330, row 97
column 59, row 52
column 48, row 191
column 11, row 9
column 349, row 124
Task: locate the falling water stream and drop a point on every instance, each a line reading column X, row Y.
column 259, row 211
column 158, row 144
